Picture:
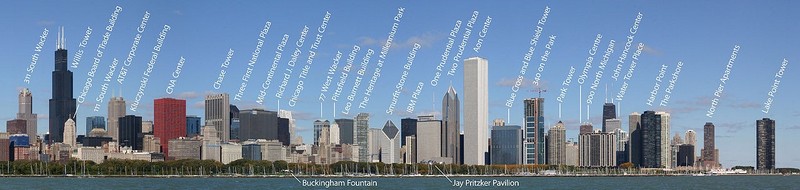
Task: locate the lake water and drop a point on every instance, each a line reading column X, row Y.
column 671, row 182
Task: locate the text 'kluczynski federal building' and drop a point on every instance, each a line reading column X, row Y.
column 62, row 105
column 476, row 110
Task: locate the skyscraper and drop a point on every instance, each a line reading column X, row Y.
column 709, row 149
column 635, row 139
column 130, row 132
column 429, row 134
column 16, row 126
column 62, row 105
column 235, row 123
column 534, row 131
column 556, row 145
column 691, row 137
column 259, row 124
column 611, row 125
column 345, row 130
column 685, row 155
column 293, row 137
column 506, row 145
column 666, row 149
column 361, row 132
column 95, row 122
column 408, row 127
column 283, row 131
column 390, row 143
column 650, row 135
column 476, row 110
column 586, row 128
column 70, row 133
column 598, row 149
column 192, row 126
column 170, row 121
column 217, row 108
column 26, row 113
column 765, row 145
column 318, row 125
column 450, row 125
column 609, row 112
column 334, row 135
column 116, row 109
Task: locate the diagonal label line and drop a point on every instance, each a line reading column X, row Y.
column 440, row 171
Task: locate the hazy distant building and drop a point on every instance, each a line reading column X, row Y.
column 690, row 137
column 26, row 113
column 17, row 126
column 451, row 118
column 765, row 144
column 506, row 145
column 116, row 109
column 334, row 135
column 62, row 105
column 609, row 112
column 476, row 110
column 130, row 132
column 170, row 120
column 586, row 128
column 147, row 126
column 556, row 147
column 192, row 126
column 612, row 125
column 217, row 114
column 499, row 122
column 361, row 132
column 293, row 137
column 374, row 139
column 534, row 131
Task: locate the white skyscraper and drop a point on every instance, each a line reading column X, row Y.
column 69, row 133
column 116, row 109
column 390, row 143
column 476, row 110
column 218, row 108
column 294, row 138
column 666, row 148
column 334, row 133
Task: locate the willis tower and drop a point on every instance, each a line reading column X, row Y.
column 62, row 105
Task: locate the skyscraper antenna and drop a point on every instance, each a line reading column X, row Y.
column 606, row 93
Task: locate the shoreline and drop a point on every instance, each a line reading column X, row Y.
column 373, row 176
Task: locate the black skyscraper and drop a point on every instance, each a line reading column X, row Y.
column 408, row 127
column 130, row 132
column 765, row 144
column 258, row 124
column 609, row 112
column 62, row 105
column 234, row 114
column 283, row 131
column 651, row 140
column 345, row 130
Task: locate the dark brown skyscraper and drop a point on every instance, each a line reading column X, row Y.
column 709, row 150
column 765, row 144
column 586, row 128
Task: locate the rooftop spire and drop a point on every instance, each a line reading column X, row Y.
column 61, row 43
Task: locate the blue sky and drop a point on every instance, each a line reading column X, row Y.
column 700, row 34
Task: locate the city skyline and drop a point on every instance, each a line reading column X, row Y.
column 733, row 118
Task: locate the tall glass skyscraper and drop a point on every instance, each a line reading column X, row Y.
column 95, row 122
column 506, row 145
column 609, row 112
column 361, row 132
column 192, row 126
column 62, row 105
column 451, row 118
column 534, row 131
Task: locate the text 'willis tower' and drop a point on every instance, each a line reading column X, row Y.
column 62, row 105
